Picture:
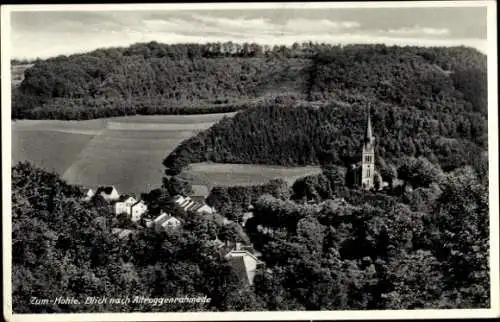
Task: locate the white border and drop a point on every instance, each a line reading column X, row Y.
column 231, row 316
column 249, row 5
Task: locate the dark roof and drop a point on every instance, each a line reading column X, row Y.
column 195, row 206
column 107, row 190
column 125, row 197
column 248, row 248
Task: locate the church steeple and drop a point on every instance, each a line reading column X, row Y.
column 368, row 155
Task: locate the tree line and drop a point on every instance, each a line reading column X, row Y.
column 302, row 134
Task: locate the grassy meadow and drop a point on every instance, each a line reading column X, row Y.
column 127, row 152
column 226, row 174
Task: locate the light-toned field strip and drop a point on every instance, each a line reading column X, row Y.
column 128, row 152
column 217, row 174
column 122, row 151
column 158, row 126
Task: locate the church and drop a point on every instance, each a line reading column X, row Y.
column 363, row 174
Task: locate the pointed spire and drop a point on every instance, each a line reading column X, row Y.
column 368, row 133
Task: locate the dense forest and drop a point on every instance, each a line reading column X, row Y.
column 424, row 102
column 153, row 78
column 361, row 250
column 282, row 134
column 350, row 249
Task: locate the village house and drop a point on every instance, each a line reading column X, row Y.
column 124, row 205
column 109, row 193
column 88, row 195
column 244, row 262
column 122, row 233
column 165, row 222
column 130, row 206
column 171, row 223
column 188, row 204
column 137, row 210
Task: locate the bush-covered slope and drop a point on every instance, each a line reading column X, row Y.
column 429, row 102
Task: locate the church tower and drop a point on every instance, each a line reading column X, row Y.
column 368, row 156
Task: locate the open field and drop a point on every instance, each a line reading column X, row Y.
column 123, row 151
column 127, row 152
column 217, row 174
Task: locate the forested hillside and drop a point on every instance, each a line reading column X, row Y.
column 156, row 78
column 429, row 102
column 159, row 79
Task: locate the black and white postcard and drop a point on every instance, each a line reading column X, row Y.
column 233, row 161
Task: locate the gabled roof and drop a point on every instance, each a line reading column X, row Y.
column 169, row 221
column 161, row 218
column 242, row 253
column 106, row 190
column 125, row 197
column 122, row 233
column 195, row 206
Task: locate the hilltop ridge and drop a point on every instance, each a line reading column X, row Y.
column 425, row 102
column 153, row 78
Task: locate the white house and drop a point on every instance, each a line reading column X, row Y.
column 160, row 220
column 187, row 204
column 171, row 223
column 165, row 221
column 205, row 209
column 122, row 233
column 108, row 193
column 90, row 193
column 137, row 210
column 125, row 205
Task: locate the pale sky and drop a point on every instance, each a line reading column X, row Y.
column 51, row 33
